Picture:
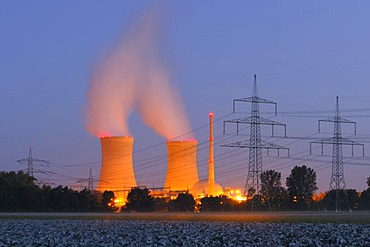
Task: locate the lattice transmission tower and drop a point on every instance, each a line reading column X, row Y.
column 29, row 161
column 337, row 182
column 255, row 144
column 90, row 181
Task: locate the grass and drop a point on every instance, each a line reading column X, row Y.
column 361, row 217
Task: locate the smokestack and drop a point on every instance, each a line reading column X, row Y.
column 211, row 164
column 117, row 173
column 208, row 187
column 182, row 172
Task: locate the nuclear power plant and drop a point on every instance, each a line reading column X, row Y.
column 117, row 172
column 182, row 171
column 127, row 79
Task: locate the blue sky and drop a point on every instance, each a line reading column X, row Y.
column 304, row 54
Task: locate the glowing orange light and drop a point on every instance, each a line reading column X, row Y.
column 106, row 136
column 236, row 195
column 211, row 114
column 240, row 198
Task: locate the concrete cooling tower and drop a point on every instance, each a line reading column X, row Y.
column 182, row 172
column 117, row 172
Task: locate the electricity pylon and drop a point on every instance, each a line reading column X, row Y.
column 29, row 161
column 337, row 182
column 254, row 144
column 90, row 181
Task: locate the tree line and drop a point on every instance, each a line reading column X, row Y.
column 20, row 193
column 298, row 195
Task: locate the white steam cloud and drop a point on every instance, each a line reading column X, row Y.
column 132, row 77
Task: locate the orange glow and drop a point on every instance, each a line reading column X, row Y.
column 235, row 194
column 182, row 172
column 240, row 198
column 318, row 197
column 116, row 173
column 211, row 114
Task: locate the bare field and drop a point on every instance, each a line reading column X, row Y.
column 178, row 230
column 185, row 229
column 362, row 217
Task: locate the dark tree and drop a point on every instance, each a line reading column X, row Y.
column 62, row 199
column 18, row 192
column 301, row 185
column 273, row 194
column 88, row 201
column 29, row 198
column 140, row 200
column 348, row 198
column 107, row 201
column 364, row 200
column 368, row 181
column 257, row 203
column 184, row 203
column 161, row 204
column 229, row 204
column 211, row 204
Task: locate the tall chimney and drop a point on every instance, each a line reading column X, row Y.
column 211, row 164
column 117, row 172
column 182, row 172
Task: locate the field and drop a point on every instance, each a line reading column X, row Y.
column 362, row 217
column 185, row 229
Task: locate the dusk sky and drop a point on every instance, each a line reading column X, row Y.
column 304, row 54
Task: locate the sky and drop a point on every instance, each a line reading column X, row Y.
column 303, row 53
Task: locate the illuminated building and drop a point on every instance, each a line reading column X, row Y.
column 235, row 194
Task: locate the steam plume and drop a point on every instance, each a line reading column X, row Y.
column 132, row 77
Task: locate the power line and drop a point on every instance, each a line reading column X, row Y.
column 315, row 69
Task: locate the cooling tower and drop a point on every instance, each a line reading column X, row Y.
column 117, row 173
column 182, row 172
